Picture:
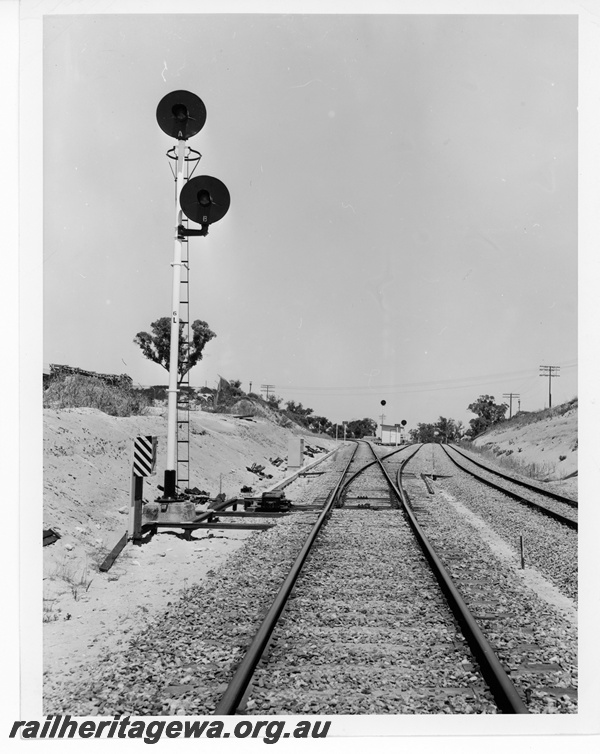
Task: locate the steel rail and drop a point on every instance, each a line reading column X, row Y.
column 565, row 520
column 530, row 486
column 505, row 694
column 350, row 479
column 243, row 675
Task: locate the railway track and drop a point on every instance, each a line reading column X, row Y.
column 546, row 502
column 335, row 611
column 370, row 605
column 551, row 494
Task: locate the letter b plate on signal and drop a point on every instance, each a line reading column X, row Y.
column 144, row 455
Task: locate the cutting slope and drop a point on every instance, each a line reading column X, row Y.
column 545, row 441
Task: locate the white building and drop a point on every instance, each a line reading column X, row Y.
column 392, row 434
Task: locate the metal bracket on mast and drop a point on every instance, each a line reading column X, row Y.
column 182, row 231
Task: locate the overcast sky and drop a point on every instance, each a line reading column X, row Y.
column 403, row 221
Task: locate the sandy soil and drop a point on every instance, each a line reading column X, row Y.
column 87, row 477
column 550, row 445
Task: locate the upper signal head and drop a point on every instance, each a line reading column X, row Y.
column 181, row 114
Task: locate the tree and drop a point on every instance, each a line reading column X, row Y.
column 273, row 401
column 423, row 433
column 156, row 346
column 361, row 428
column 298, row 409
column 450, row 430
column 488, row 413
column 319, row 424
column 447, row 430
column 459, row 430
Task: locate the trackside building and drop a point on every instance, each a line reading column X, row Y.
column 391, row 434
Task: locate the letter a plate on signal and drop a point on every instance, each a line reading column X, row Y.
column 144, row 455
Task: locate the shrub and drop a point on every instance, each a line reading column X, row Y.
column 77, row 391
column 155, row 393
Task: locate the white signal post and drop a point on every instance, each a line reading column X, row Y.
column 181, row 115
column 436, row 434
column 174, row 348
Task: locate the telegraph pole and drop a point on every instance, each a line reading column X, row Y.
column 267, row 388
column 549, row 372
column 511, row 396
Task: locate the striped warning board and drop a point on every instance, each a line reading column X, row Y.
column 144, row 455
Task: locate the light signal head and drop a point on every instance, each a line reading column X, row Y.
column 204, row 199
column 181, row 114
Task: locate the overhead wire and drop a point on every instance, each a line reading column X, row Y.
column 417, row 387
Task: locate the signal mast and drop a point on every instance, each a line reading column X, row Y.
column 204, row 200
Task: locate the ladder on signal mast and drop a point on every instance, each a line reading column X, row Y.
column 192, row 158
column 183, row 394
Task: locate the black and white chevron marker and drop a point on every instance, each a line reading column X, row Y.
column 144, row 455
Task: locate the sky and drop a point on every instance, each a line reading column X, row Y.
column 404, row 203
